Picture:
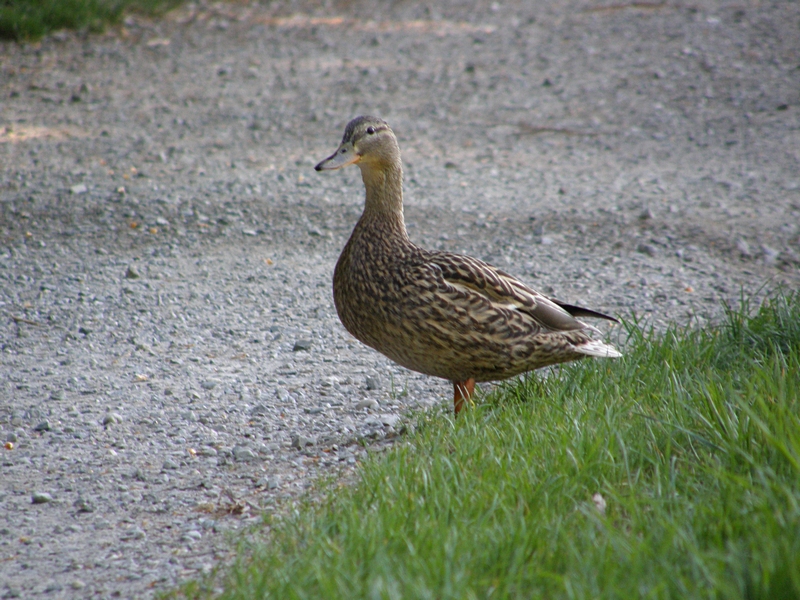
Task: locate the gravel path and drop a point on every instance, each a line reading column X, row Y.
column 172, row 365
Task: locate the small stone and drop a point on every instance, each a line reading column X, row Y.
column 388, row 420
column 599, row 503
column 647, row 249
column 169, row 464
column 43, row 426
column 135, row 533
column 11, row 437
column 249, row 232
column 78, row 189
column 243, row 454
column 77, row 584
column 84, row 505
column 770, row 255
column 302, row 345
column 192, row 534
column 273, row 483
column 373, row 383
column 743, row 247
column 102, row 525
column 41, row 498
column 131, row 273
column 112, row 419
column 209, row 384
column 57, row 395
column 301, row 441
column 367, row 403
column 646, row 214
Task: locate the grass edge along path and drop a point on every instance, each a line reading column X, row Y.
column 692, row 440
column 29, row 20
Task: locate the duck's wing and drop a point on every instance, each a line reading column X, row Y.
column 579, row 311
column 507, row 292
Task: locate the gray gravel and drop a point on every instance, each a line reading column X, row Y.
column 172, row 366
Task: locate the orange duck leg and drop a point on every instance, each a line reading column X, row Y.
column 462, row 393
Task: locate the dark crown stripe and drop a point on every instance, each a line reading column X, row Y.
column 358, row 122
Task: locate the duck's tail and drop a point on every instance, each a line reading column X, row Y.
column 598, row 349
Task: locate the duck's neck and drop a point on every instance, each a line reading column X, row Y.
column 384, row 202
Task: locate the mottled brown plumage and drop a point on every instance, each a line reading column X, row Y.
column 439, row 313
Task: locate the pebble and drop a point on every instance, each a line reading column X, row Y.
column 302, row 345
column 134, row 533
column 131, row 273
column 112, row 418
column 169, row 464
column 369, row 403
column 647, row 249
column 771, row 255
column 743, row 247
column 599, row 503
column 302, row 441
column 84, row 505
column 42, row 426
column 389, row 420
column 243, row 454
column 209, row 384
column 373, row 383
column 41, row 498
column 78, row 189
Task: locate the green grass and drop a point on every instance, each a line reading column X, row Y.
column 24, row 20
column 693, row 440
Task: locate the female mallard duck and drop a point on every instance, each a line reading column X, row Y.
column 439, row 313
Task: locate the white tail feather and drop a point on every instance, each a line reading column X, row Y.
column 598, row 349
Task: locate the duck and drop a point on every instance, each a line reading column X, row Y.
column 439, row 313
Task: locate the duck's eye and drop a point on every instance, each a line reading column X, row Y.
column 344, row 150
column 370, row 130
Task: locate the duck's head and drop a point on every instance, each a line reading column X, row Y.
column 368, row 142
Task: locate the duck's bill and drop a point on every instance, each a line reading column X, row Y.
column 343, row 156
